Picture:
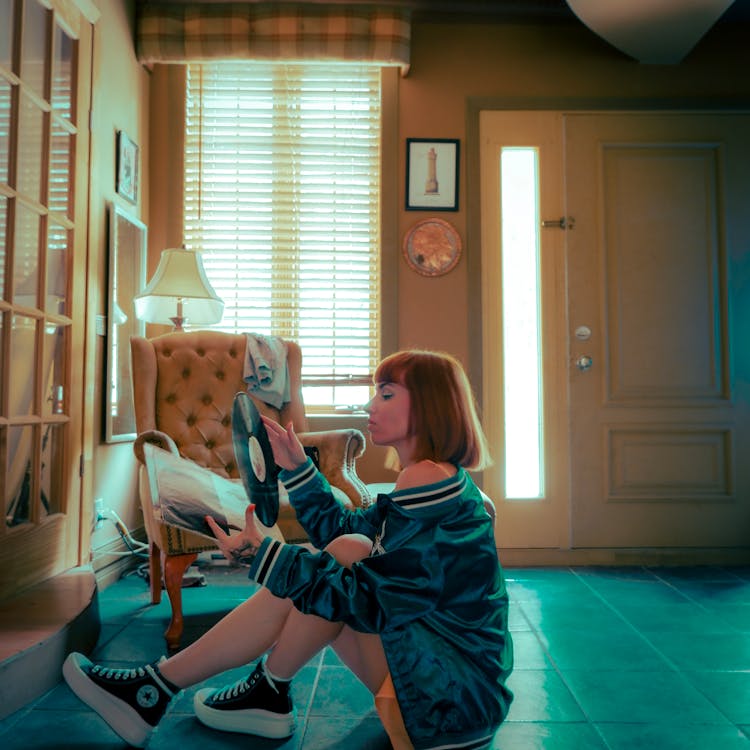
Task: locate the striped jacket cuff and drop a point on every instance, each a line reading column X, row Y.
column 297, row 478
column 269, row 554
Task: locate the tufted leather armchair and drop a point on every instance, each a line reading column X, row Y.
column 184, row 386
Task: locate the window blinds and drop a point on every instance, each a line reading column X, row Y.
column 282, row 165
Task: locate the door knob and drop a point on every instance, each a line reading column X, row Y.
column 584, row 362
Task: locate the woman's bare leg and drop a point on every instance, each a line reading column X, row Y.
column 241, row 636
column 253, row 627
column 363, row 654
column 291, row 651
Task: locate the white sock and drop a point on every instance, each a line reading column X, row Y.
column 271, row 677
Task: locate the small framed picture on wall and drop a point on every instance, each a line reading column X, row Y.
column 432, row 174
column 127, row 168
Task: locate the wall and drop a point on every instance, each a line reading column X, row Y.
column 120, row 102
column 456, row 69
column 455, row 66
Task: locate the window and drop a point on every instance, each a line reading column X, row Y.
column 282, row 196
column 522, row 343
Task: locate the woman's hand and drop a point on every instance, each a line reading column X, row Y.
column 288, row 452
column 240, row 548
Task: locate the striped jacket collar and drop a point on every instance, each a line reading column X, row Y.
column 432, row 495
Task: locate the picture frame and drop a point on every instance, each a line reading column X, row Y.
column 432, row 174
column 126, row 183
column 127, row 277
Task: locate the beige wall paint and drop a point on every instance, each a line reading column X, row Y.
column 120, row 102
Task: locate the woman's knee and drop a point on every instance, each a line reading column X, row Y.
column 350, row 548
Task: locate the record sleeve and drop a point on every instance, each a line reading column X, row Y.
column 185, row 493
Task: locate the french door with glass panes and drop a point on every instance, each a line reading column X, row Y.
column 45, row 52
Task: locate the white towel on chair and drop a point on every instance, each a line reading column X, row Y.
column 266, row 369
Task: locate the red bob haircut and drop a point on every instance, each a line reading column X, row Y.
column 443, row 411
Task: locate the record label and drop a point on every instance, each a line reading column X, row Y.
column 256, row 459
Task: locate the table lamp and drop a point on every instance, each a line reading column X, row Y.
column 179, row 292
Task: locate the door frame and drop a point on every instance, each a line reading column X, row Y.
column 562, row 555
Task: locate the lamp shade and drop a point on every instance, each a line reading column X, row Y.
column 179, row 291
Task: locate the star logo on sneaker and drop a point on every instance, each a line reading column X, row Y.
column 147, row 696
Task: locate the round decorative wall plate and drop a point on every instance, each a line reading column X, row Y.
column 432, row 247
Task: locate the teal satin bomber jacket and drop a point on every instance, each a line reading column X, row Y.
column 432, row 588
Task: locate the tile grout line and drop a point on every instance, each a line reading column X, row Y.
column 561, row 675
column 308, row 710
column 671, row 664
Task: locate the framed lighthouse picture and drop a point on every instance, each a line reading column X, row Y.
column 432, row 174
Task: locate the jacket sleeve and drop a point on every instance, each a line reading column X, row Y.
column 386, row 590
column 318, row 511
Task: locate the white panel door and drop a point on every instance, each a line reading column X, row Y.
column 656, row 262
column 645, row 298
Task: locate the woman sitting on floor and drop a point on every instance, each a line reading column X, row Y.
column 408, row 592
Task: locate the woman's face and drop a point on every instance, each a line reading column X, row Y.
column 388, row 411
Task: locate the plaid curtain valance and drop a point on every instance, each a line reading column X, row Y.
column 177, row 32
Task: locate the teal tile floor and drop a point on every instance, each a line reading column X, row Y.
column 606, row 659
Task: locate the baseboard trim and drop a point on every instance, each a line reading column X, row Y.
column 111, row 560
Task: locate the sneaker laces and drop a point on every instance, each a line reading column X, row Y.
column 232, row 691
column 111, row 673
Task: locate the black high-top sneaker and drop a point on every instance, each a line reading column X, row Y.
column 257, row 705
column 131, row 701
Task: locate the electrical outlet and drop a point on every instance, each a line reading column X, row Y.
column 98, row 512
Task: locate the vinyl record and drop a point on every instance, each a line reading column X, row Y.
column 254, row 457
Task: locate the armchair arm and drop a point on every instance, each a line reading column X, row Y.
column 489, row 505
column 157, row 437
column 339, row 450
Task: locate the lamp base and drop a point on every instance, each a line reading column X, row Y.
column 178, row 322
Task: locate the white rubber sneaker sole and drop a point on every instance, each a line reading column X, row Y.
column 255, row 721
column 121, row 717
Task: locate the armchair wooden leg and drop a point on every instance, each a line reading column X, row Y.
column 154, row 573
column 175, row 567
